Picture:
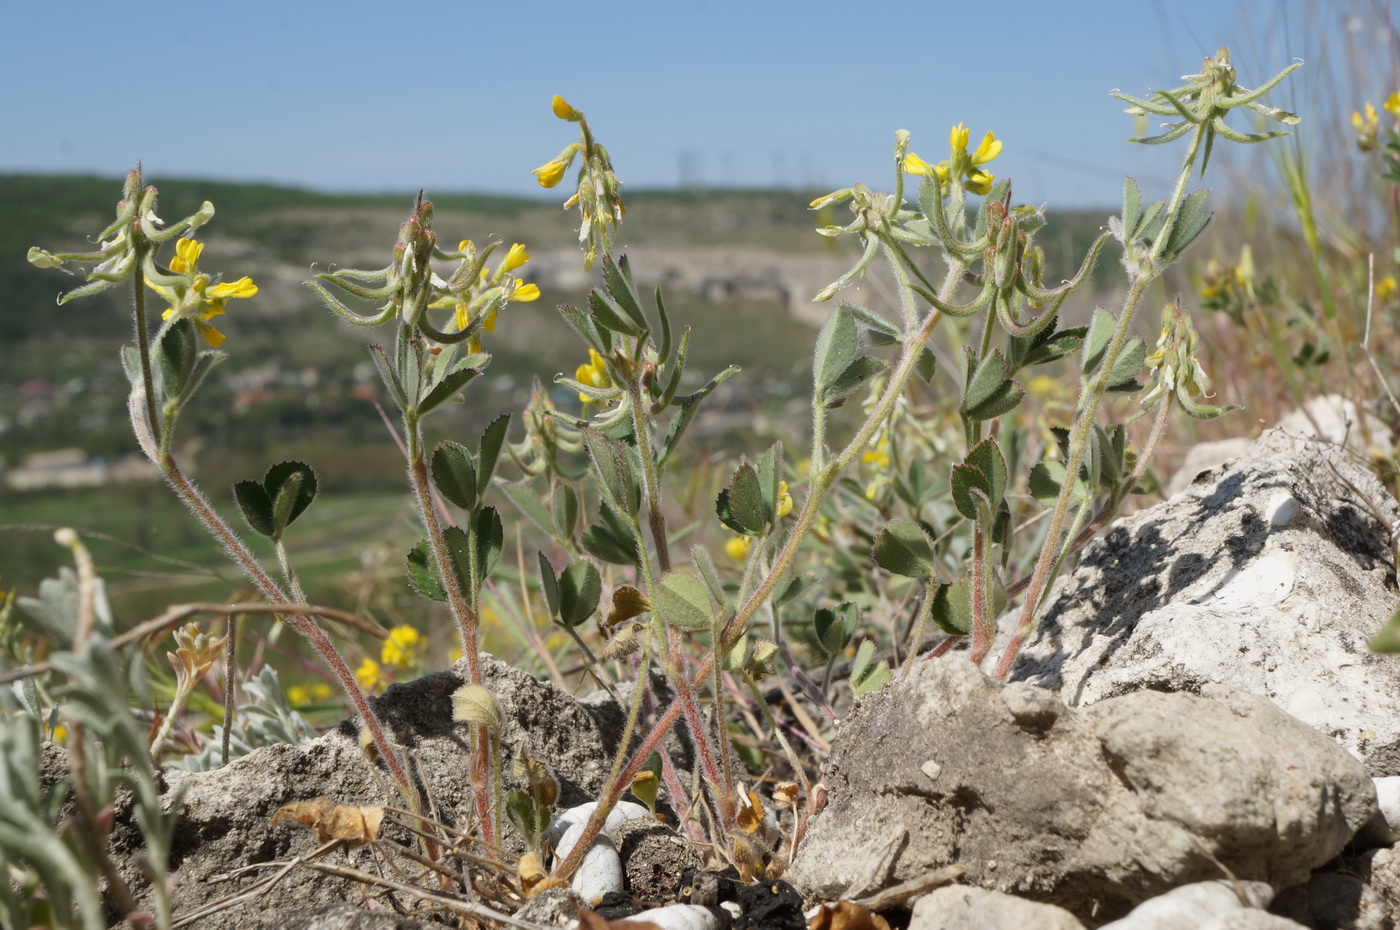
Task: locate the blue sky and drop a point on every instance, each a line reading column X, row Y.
column 358, row 95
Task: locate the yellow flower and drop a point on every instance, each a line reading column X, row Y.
column 1392, row 104
column 524, row 293
column 403, row 647
column 550, row 173
column 1043, row 386
column 187, row 252
column 198, row 299
column 555, row 640
column 60, row 734
column 454, row 655
column 370, row 675
column 594, row 374
column 321, row 691
column 966, row 166
column 878, row 454
column 299, row 695
column 515, row 257
column 987, row 151
column 784, row 499
column 1386, row 287
column 563, row 110
column 1366, row 127
column 913, row 164
column 737, row 547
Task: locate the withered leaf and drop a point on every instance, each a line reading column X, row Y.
column 355, row 825
column 846, row 915
column 627, row 602
column 592, row 920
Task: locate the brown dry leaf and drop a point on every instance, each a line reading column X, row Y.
column 531, row 872
column 785, row 794
column 749, row 816
column 627, row 602
column 355, row 825
column 846, row 915
column 546, row 883
column 592, row 920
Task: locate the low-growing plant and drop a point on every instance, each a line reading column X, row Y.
column 955, row 514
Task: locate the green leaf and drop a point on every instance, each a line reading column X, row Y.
column 903, row 548
column 526, row 815
column 489, row 451
column 926, row 364
column 613, row 466
column 952, row 603
column 450, row 384
column 618, row 278
column 1190, row 222
column 853, row 376
column 549, row 585
column 1097, row 340
column 423, row 568
column 453, row 474
column 1123, row 377
column 584, row 326
column 989, row 392
column 269, row 513
column 1132, row 202
column 178, row 351
column 835, row 350
column 565, row 510
column 529, row 504
column 255, row 506
column 389, row 376
column 836, row 628
column 952, row 607
column 743, row 506
column 981, row 478
column 795, row 588
column 612, row 540
column 606, row 312
column 865, row 675
column 580, row 589
column 490, row 539
column 407, row 366
column 683, row 602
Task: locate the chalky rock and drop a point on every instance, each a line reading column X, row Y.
column 1199, row 905
column 1270, row 576
column 1094, row 810
column 1335, row 901
column 225, row 821
column 960, row 907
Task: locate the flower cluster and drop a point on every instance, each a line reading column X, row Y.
column 484, row 299
column 130, row 243
column 192, row 295
column 1367, row 122
column 599, row 193
column 402, row 648
column 961, row 167
column 1175, row 371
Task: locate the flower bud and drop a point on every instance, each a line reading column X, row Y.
column 564, row 111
